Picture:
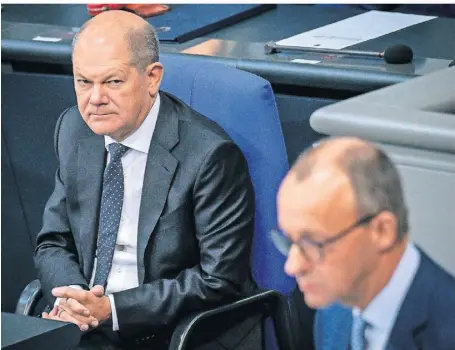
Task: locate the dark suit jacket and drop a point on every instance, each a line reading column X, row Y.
column 302, row 320
column 195, row 226
column 426, row 319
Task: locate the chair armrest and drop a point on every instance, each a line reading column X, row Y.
column 28, row 299
column 268, row 303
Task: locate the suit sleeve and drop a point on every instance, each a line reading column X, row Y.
column 223, row 200
column 56, row 257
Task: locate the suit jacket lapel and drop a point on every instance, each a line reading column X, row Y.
column 412, row 316
column 90, row 167
column 159, row 172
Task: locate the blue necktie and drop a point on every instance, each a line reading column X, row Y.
column 110, row 212
column 358, row 333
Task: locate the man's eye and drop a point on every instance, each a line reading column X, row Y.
column 115, row 82
column 83, row 82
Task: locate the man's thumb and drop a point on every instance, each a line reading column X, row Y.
column 98, row 290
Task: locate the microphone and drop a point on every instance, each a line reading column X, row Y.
column 395, row 54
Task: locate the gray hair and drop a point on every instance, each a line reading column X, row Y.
column 143, row 44
column 374, row 178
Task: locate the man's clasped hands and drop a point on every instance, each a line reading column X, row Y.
column 84, row 308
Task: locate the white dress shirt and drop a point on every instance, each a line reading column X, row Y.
column 123, row 274
column 382, row 311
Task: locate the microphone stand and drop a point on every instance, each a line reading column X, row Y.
column 272, row 47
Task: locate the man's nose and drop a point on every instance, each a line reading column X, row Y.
column 97, row 95
column 296, row 263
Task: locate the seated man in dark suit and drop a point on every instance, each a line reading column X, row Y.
column 152, row 213
column 346, row 231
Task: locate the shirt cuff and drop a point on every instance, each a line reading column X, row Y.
column 114, row 313
column 75, row 286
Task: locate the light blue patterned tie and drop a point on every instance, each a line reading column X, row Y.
column 358, row 333
column 110, row 212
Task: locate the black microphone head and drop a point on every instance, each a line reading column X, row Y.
column 398, row 54
column 270, row 48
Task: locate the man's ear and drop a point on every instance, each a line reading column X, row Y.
column 384, row 230
column 154, row 74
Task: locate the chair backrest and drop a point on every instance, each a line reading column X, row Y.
column 243, row 104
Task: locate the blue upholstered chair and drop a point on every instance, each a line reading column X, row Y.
column 244, row 105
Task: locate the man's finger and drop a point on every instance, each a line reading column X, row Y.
column 90, row 321
column 68, row 292
column 65, row 316
column 76, row 307
column 54, row 311
column 48, row 316
column 63, row 319
column 55, row 318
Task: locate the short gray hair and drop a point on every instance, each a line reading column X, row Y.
column 374, row 178
column 377, row 185
column 143, row 44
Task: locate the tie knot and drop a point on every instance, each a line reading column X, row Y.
column 360, row 323
column 117, row 150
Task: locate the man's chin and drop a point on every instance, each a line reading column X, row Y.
column 101, row 131
column 100, row 128
column 316, row 301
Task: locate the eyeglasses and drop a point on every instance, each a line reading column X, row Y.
column 314, row 251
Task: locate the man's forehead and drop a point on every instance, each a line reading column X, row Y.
column 324, row 189
column 100, row 70
column 93, row 42
column 326, row 178
column 102, row 51
column 89, row 39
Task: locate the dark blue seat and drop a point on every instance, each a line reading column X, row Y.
column 244, row 105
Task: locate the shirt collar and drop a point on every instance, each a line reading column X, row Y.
column 381, row 312
column 141, row 138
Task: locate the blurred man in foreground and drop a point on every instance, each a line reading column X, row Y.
column 345, row 225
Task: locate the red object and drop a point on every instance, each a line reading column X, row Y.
column 94, row 9
column 143, row 10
